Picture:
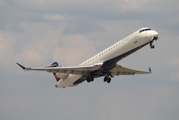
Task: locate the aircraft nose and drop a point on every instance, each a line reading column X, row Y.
column 153, row 35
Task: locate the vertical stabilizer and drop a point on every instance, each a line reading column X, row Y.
column 55, row 64
column 57, row 79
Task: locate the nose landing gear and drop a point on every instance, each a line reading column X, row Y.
column 151, row 42
column 151, row 45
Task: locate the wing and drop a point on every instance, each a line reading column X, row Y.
column 79, row 70
column 119, row 70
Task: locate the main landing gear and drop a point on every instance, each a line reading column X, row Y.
column 107, row 79
column 90, row 79
column 151, row 42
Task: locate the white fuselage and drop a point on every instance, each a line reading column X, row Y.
column 128, row 43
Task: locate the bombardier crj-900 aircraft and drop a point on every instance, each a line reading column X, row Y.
column 104, row 64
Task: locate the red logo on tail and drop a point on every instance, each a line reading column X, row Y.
column 57, row 79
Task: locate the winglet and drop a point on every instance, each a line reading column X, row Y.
column 150, row 70
column 24, row 68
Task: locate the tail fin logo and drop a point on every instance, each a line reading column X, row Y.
column 55, row 64
column 57, row 79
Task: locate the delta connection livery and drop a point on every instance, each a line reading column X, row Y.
column 103, row 64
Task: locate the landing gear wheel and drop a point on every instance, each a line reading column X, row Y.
column 92, row 79
column 151, row 45
column 151, row 42
column 109, row 80
column 105, row 79
column 89, row 79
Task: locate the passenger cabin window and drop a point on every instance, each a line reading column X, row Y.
column 144, row 30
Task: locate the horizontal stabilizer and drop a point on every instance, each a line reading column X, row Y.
column 21, row 66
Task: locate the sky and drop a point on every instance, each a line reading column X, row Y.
column 39, row 32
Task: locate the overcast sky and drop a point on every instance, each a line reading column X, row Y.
column 39, row 32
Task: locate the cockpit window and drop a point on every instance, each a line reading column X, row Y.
column 144, row 30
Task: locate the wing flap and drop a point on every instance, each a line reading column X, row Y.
column 119, row 70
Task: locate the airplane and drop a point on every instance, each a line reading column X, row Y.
column 103, row 64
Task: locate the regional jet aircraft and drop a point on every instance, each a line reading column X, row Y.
column 103, row 64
